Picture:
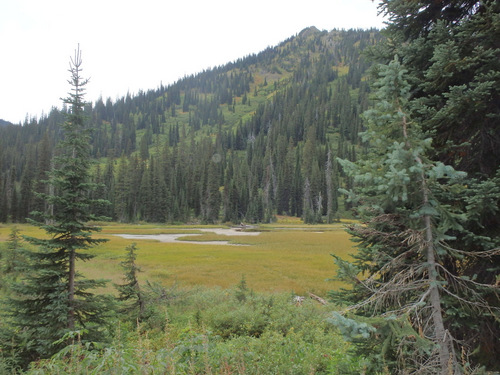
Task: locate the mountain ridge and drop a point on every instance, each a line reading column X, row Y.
column 240, row 142
column 5, row 123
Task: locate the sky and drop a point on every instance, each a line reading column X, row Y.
column 129, row 46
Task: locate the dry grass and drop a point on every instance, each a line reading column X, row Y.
column 286, row 256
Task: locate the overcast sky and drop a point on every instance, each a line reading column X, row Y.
column 132, row 45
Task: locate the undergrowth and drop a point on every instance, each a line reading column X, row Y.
column 214, row 331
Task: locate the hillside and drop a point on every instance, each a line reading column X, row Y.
column 240, row 142
column 4, row 123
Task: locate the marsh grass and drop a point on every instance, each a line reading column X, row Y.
column 285, row 257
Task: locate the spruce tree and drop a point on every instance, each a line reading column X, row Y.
column 11, row 259
column 451, row 52
column 130, row 291
column 53, row 300
column 402, row 268
column 450, row 49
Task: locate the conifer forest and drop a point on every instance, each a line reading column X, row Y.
column 396, row 130
column 242, row 142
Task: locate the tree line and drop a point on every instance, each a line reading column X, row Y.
column 240, row 142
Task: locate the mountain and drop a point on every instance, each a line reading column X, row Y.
column 5, row 123
column 240, row 142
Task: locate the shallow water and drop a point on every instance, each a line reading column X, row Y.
column 174, row 237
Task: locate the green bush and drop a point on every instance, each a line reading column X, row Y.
column 236, row 317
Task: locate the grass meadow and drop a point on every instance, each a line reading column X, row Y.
column 287, row 256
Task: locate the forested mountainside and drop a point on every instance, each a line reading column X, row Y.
column 240, row 142
column 5, row 123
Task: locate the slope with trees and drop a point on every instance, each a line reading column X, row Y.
column 283, row 109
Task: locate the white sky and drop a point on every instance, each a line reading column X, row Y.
column 132, row 45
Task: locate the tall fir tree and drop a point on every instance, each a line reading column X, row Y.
column 450, row 49
column 451, row 52
column 53, row 300
column 404, row 264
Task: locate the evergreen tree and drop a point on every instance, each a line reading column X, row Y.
column 27, row 187
column 331, row 188
column 212, row 197
column 3, row 200
column 11, row 259
column 121, row 191
column 451, row 52
column 404, row 265
column 11, row 194
column 53, row 301
column 44, row 156
column 130, row 291
column 308, row 209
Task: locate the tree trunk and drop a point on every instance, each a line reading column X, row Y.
column 441, row 336
column 71, row 291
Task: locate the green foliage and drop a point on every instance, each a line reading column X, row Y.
column 130, row 291
column 452, row 58
column 12, row 259
column 405, row 264
column 351, row 329
column 51, row 299
column 242, row 290
column 245, row 319
column 387, row 339
column 307, row 345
